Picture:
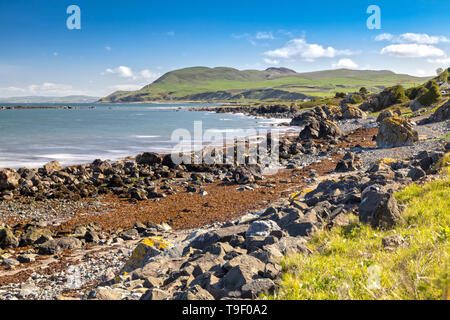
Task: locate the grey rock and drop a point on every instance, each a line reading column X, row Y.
column 253, row 289
column 261, row 228
column 59, row 245
column 379, row 209
column 416, row 173
column 393, row 241
column 155, row 294
column 7, row 239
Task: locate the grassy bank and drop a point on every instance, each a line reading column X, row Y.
column 351, row 262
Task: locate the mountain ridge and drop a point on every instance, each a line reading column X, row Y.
column 196, row 83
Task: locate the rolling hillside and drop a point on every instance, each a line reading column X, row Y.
column 228, row 84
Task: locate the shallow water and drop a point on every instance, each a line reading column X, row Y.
column 31, row 138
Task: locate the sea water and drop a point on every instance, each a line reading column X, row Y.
column 33, row 137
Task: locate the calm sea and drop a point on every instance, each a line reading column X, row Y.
column 31, row 138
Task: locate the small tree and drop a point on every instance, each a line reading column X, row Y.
column 439, row 71
column 340, row 95
column 363, row 90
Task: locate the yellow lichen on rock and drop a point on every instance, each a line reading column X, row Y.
column 395, row 132
column 146, row 248
column 385, row 161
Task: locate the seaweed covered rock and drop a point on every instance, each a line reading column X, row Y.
column 396, row 132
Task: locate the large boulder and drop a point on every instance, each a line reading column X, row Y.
column 261, row 228
column 416, row 105
column 51, row 167
column 350, row 162
column 320, row 129
column 241, row 270
column 385, row 114
column 243, row 175
column 441, row 114
column 396, row 132
column 146, row 249
column 148, row 158
column 301, row 118
column 349, row 112
column 9, row 179
column 7, row 239
column 59, row 245
column 379, row 208
column 205, row 239
column 35, row 236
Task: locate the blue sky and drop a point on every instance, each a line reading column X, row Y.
column 127, row 44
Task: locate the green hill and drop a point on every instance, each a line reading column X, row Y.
column 228, row 84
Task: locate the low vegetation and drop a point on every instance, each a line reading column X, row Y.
column 351, row 263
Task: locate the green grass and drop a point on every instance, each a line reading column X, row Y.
column 446, row 136
column 348, row 260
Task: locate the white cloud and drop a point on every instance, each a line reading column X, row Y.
column 412, row 50
column 55, row 54
column 108, row 48
column 261, row 35
column 170, row 33
column 409, row 37
column 127, row 72
column 264, row 35
column 307, row 51
column 147, row 74
column 345, row 63
column 444, row 61
column 384, row 36
column 44, row 89
column 270, row 61
column 421, row 72
column 127, row 87
column 122, row 71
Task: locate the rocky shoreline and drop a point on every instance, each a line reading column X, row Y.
column 156, row 249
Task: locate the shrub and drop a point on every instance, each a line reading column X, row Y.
column 363, row 90
column 414, row 92
column 443, row 76
column 432, row 95
column 356, row 98
column 397, row 94
column 340, row 95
